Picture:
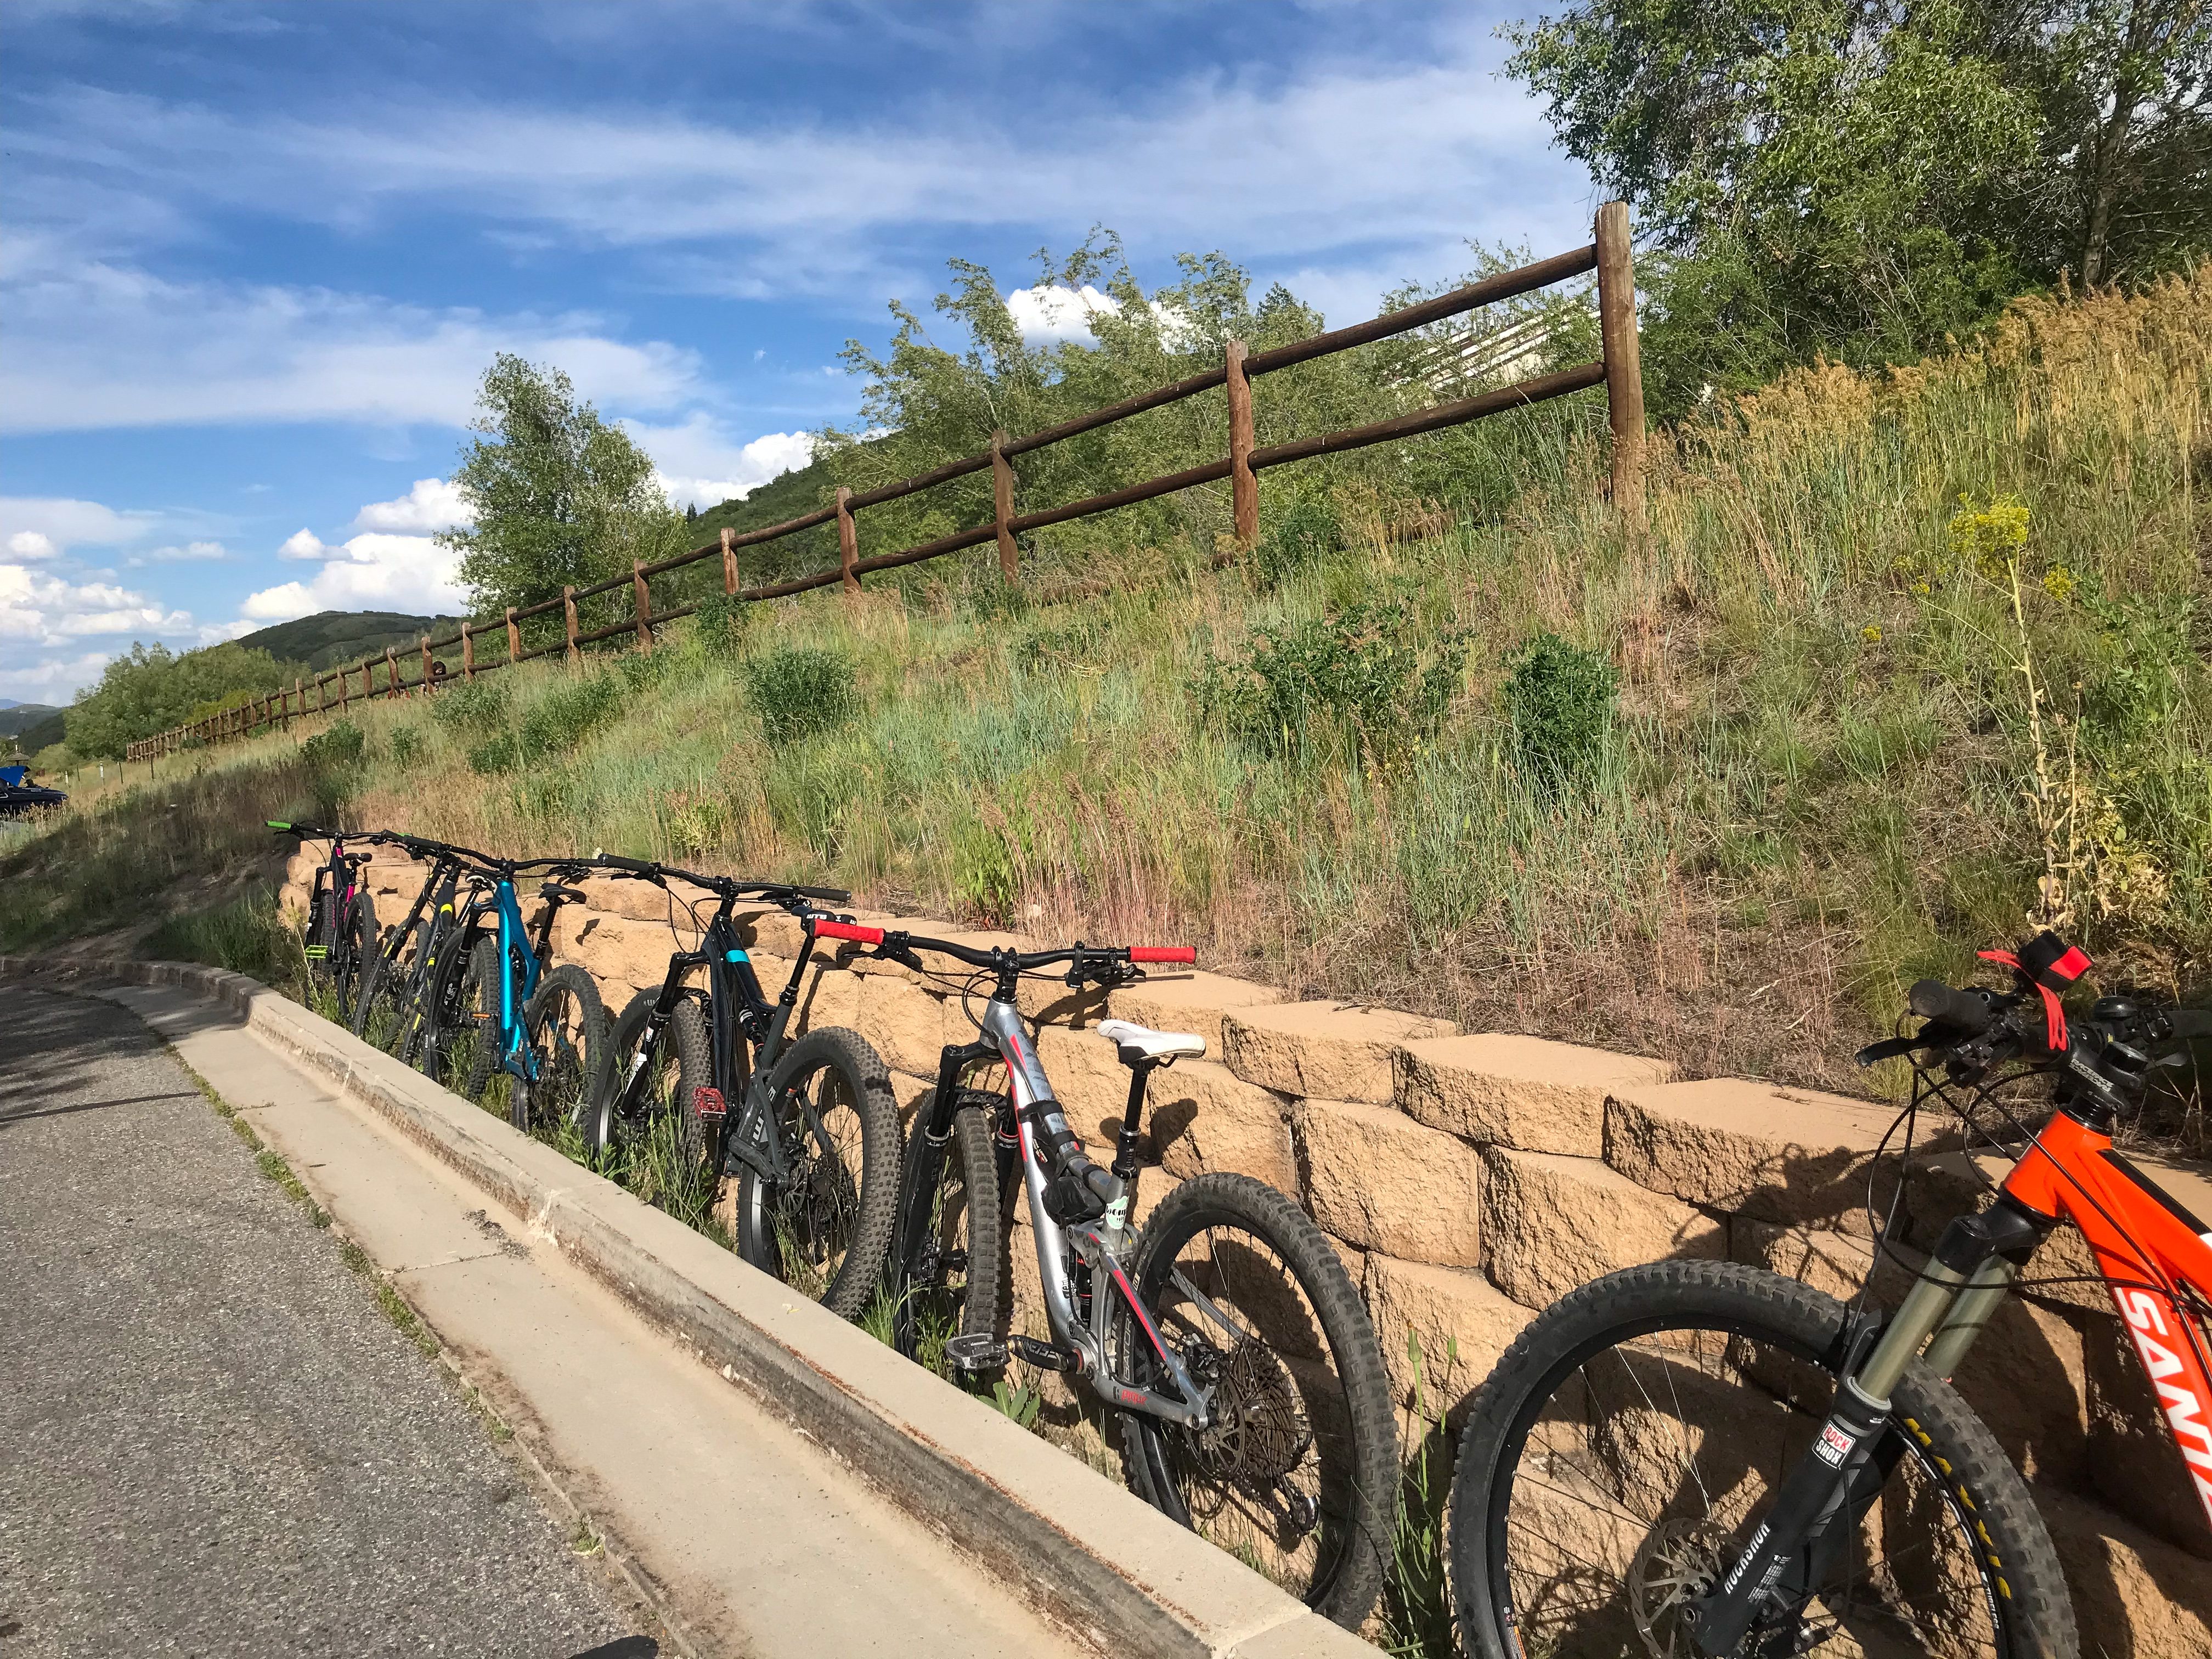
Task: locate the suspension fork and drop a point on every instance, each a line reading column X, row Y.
column 1815, row 1510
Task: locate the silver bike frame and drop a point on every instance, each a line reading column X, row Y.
column 1103, row 1245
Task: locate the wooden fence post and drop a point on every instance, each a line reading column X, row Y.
column 568, row 603
column 367, row 685
column 391, row 673
column 729, row 560
column 429, row 669
column 468, row 651
column 1002, row 507
column 300, row 694
column 322, row 694
column 1243, row 482
column 1624, row 372
column 848, row 540
column 344, row 674
column 513, row 638
column 643, row 595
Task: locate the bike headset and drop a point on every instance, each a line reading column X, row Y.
column 1973, row 1032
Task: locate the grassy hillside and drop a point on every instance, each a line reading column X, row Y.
column 330, row 638
column 17, row 715
column 1855, row 728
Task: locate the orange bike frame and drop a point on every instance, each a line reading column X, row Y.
column 2147, row 1245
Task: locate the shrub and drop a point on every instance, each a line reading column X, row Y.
column 1560, row 700
column 556, row 725
column 722, row 620
column 798, row 691
column 333, row 758
column 247, row 936
column 1365, row 669
column 1298, row 538
column 473, row 706
column 406, row 745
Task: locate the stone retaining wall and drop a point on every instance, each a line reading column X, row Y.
column 1470, row 1179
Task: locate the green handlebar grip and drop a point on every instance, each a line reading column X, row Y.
column 273, row 824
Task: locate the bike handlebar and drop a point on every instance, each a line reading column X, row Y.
column 1001, row 959
column 1972, row 1010
column 729, row 886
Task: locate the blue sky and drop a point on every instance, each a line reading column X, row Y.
column 255, row 256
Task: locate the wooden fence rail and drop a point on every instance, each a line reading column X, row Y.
column 1618, row 371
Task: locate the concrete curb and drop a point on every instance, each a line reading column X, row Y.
column 1114, row 1571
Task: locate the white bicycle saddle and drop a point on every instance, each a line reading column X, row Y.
column 1140, row 1042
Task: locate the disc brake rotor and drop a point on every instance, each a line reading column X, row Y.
column 1259, row 1433
column 1678, row 1562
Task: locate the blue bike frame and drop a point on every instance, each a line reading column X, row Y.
column 513, row 942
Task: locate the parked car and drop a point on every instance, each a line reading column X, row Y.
column 18, row 795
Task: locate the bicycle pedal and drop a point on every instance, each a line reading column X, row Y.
column 1044, row 1355
column 708, row 1102
column 981, row 1352
column 317, row 952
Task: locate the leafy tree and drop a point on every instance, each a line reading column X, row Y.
column 151, row 689
column 1862, row 176
column 558, row 495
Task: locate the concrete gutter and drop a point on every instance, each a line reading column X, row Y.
column 1112, row 1571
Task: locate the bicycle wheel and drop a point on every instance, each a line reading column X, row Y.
column 1297, row 1476
column 355, row 952
column 411, row 991
column 663, row 1153
column 566, row 1027
column 826, row 1229
column 462, row 1043
column 1619, row 1457
column 951, row 1277
column 376, row 999
column 320, row 942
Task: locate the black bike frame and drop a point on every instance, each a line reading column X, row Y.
column 746, row 1032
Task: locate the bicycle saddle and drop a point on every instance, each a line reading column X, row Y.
column 559, row 893
column 1138, row 1044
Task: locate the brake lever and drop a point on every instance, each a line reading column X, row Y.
column 894, row 948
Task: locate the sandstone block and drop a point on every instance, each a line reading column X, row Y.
column 1786, row 1155
column 1522, row 1091
column 1193, row 1001
column 2132, row 1593
column 1330, row 1050
column 1090, row 1081
column 622, row 955
column 1385, row 1183
column 1442, row 1330
column 1203, row 1119
column 2024, row 1375
column 1551, row 1224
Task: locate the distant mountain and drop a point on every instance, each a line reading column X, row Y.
column 331, row 638
column 14, row 716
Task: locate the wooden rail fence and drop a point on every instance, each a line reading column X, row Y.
column 1617, row 370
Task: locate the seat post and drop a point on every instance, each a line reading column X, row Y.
column 1126, row 1164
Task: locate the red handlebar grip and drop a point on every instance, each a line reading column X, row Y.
column 1184, row 953
column 848, row 930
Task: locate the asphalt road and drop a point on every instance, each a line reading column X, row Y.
column 211, row 1440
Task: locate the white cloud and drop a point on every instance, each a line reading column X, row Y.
column 302, row 544
column 1050, row 314
column 54, row 681
column 432, row 504
column 50, row 610
column 104, row 346
column 39, row 527
column 372, row 571
column 190, row 550
column 699, row 466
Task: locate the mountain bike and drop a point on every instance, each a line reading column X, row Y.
column 1694, row 1458
column 495, row 1008
column 391, row 1009
column 813, row 1141
column 1230, row 1341
column 341, row 932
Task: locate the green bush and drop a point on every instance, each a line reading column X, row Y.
column 247, row 936
column 473, row 706
column 555, row 725
column 406, row 745
column 1370, row 671
column 722, row 621
column 797, row 691
column 1307, row 530
column 1560, row 700
column 333, row 759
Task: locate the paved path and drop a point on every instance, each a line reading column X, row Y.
column 743, row 1535
column 211, row 1440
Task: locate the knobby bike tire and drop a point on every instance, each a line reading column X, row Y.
column 321, row 935
column 1361, row 1477
column 2022, row 1587
column 359, row 950
column 686, row 1058
column 948, row 1191
column 572, row 1051
column 462, row 1005
column 414, row 996
column 861, row 1206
